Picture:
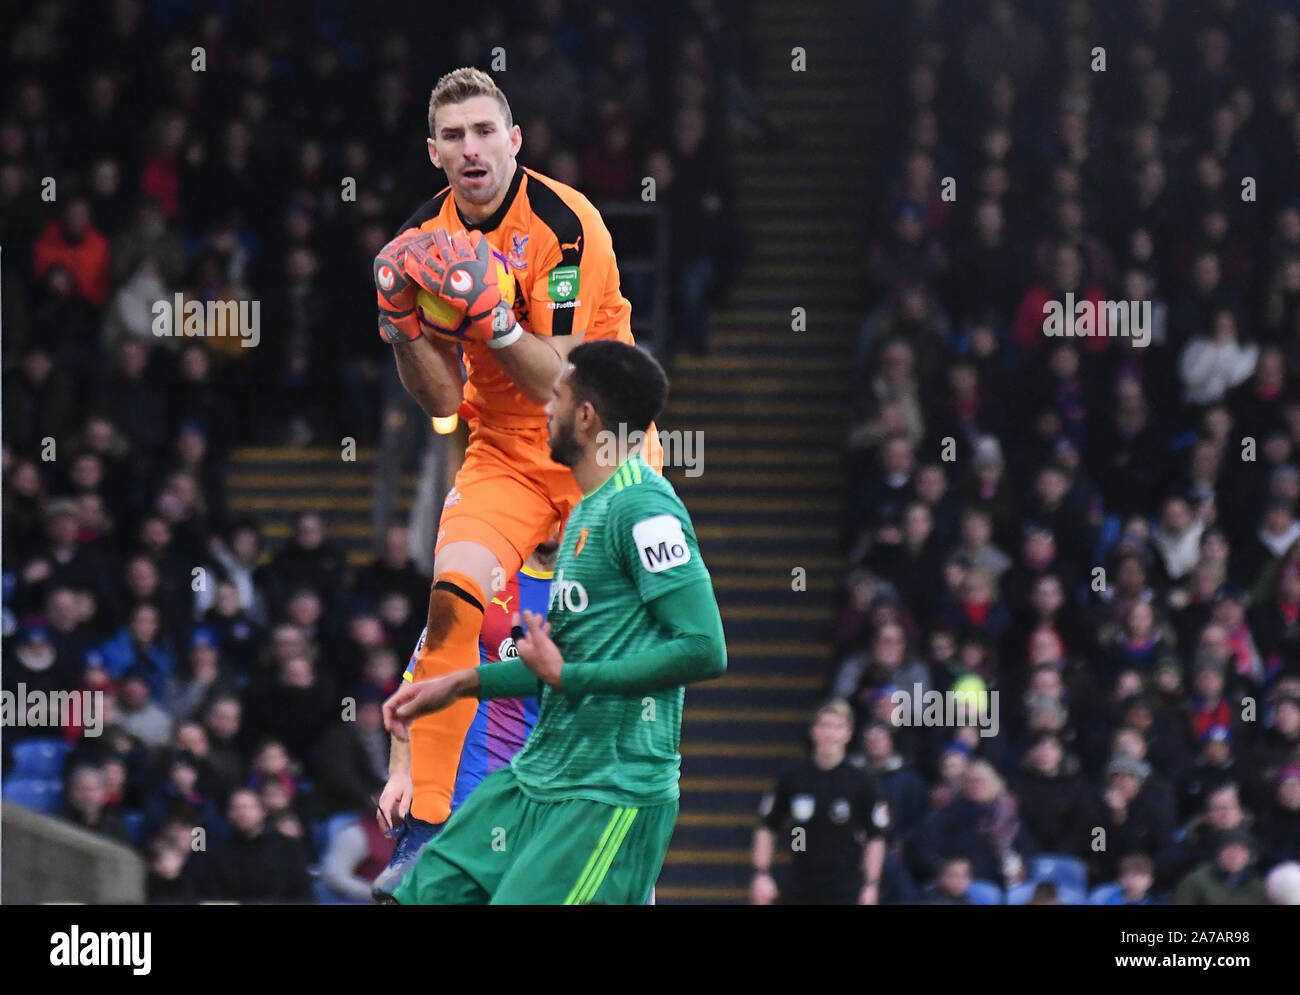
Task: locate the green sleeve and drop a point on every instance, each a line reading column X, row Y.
column 506, row 679
column 693, row 649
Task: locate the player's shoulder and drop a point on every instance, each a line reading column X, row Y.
column 427, row 211
column 564, row 210
column 634, row 486
column 543, row 188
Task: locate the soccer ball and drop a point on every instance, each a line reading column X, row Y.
column 437, row 317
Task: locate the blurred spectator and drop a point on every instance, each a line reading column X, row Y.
column 1227, row 879
column 1132, row 820
column 308, row 560
column 1053, row 797
column 1136, row 878
column 295, row 708
column 138, row 648
column 223, row 723
column 138, row 713
column 167, row 883
column 1279, row 824
column 356, row 855
column 352, row 761
column 86, row 804
column 905, row 792
column 257, row 863
column 201, row 679
column 981, row 824
column 951, row 884
column 76, row 245
column 1214, row 361
column 393, row 570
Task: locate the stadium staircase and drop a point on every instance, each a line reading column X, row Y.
column 772, row 405
column 277, row 484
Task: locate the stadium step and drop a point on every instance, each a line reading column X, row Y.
column 746, row 583
column 275, row 485
column 773, row 406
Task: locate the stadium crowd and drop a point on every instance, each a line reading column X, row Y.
column 242, row 682
column 1102, row 530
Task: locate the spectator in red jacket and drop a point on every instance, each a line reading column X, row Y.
column 79, row 247
column 1067, row 277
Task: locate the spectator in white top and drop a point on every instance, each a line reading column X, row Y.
column 1211, row 365
column 1177, row 540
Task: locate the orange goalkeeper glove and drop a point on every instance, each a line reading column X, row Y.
column 470, row 280
column 399, row 319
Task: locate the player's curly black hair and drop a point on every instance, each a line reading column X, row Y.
column 625, row 385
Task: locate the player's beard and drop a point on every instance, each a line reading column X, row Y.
column 565, row 448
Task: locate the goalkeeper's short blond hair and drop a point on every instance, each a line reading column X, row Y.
column 460, row 85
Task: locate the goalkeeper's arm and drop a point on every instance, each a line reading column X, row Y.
column 693, row 649
column 430, row 371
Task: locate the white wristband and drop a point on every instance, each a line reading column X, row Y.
column 509, row 338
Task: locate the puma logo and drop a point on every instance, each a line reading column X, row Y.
column 505, row 605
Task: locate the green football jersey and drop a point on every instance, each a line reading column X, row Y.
column 626, row 543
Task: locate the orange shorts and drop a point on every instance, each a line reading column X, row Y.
column 509, row 495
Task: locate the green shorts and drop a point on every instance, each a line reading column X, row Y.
column 502, row 848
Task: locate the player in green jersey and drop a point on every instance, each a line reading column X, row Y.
column 585, row 810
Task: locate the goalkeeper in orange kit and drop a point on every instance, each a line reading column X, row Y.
column 515, row 270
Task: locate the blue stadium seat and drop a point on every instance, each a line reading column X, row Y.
column 1064, row 872
column 134, row 826
column 40, row 758
column 984, row 893
column 39, row 793
column 1106, row 894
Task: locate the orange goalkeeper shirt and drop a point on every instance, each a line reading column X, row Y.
column 566, row 281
